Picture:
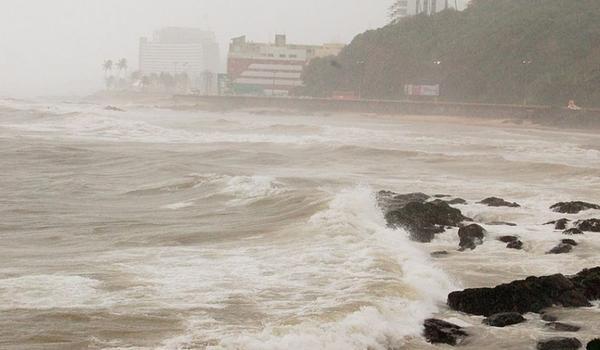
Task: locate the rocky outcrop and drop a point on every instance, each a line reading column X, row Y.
column 501, row 223
column 593, row 345
column 518, row 245
column 530, row 295
column 498, row 202
column 569, row 242
column 471, row 236
column 573, row 231
column 423, row 220
column 508, row 239
column 457, row 201
column 573, row 207
column 562, row 248
column 440, row 254
column 559, row 344
column 590, row 225
column 504, row 319
column 560, row 224
column 442, row 332
column 562, row 327
column 390, row 201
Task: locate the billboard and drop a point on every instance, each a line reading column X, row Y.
column 422, row 90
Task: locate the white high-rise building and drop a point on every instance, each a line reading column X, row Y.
column 173, row 50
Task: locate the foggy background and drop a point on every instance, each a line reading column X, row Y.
column 57, row 47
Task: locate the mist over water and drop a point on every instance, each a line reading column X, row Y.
column 161, row 229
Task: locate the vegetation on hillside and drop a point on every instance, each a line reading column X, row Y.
column 499, row 51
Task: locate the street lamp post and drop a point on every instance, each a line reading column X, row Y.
column 361, row 64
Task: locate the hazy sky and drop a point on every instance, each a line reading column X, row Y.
column 56, row 47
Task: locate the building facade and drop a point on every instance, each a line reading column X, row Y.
column 403, row 8
column 271, row 69
column 192, row 51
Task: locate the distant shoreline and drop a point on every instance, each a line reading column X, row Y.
column 547, row 116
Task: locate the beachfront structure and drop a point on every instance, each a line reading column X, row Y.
column 271, row 69
column 403, row 8
column 174, row 50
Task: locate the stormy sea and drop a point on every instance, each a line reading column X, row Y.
column 155, row 228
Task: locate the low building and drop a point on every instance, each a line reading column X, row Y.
column 271, row 69
column 176, row 51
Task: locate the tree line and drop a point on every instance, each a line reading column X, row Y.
column 496, row 51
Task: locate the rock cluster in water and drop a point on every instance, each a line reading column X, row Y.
column 573, row 207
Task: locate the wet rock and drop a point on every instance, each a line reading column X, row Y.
column 508, row 239
column 594, row 345
column 559, row 224
column 588, row 281
column 471, row 236
column 504, row 319
column 498, row 202
column 530, row 295
column 501, row 223
column 561, row 249
column 440, row 254
column 569, row 242
column 390, row 201
column 457, row 201
column 573, row 231
column 590, row 225
column 442, row 196
column 113, row 108
column 573, row 207
column 442, row 332
column 562, row 327
column 559, row 344
column 518, row 245
column 549, row 317
column 423, row 220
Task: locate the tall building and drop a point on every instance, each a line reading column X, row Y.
column 182, row 50
column 272, row 69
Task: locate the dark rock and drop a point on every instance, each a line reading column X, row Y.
column 440, row 254
column 515, row 245
column 562, row 327
column 456, row 201
column 471, row 236
column 549, row 318
column 442, row 196
column 504, row 319
column 498, row 202
column 442, row 332
column 561, row 224
column 591, row 225
column 594, row 345
column 573, row 207
column 530, row 295
column 501, row 223
column 573, row 231
column 113, row 108
column 559, row 344
column 561, row 249
column 508, row 239
column 423, row 220
column 390, row 201
column 569, row 242
column 589, row 282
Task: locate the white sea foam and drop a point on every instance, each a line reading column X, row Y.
column 49, row 292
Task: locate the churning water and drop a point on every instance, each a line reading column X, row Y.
column 161, row 229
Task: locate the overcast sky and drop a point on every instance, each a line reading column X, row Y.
column 56, row 47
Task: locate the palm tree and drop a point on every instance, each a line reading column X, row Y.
column 108, row 66
column 122, row 65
